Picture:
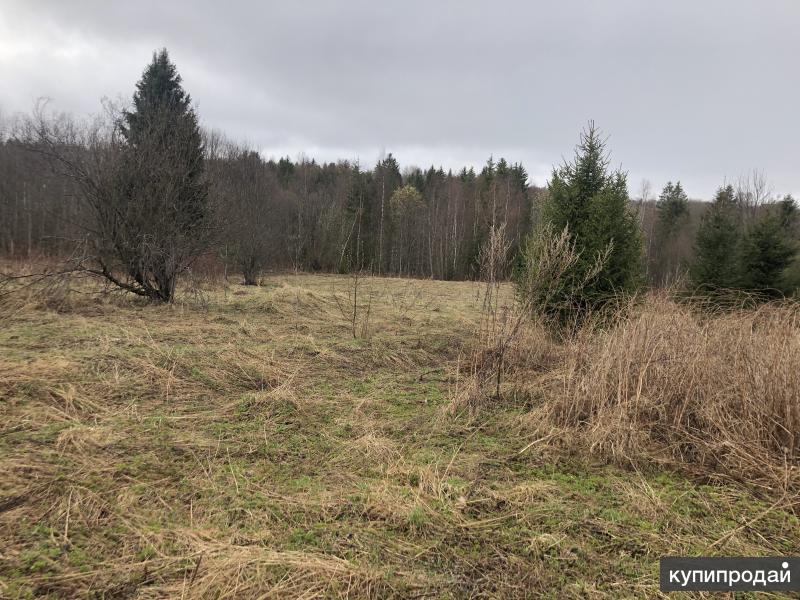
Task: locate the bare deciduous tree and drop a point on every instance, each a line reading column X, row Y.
column 753, row 190
column 247, row 190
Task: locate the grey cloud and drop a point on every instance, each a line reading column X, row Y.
column 697, row 91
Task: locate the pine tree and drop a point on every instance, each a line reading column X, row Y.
column 716, row 262
column 591, row 202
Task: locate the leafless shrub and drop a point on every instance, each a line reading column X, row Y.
column 247, row 189
column 752, row 192
column 498, row 331
column 354, row 310
column 543, row 284
column 195, row 290
column 47, row 290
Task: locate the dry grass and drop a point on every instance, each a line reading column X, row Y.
column 242, row 444
column 717, row 394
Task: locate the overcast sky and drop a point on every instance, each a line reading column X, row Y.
column 697, row 90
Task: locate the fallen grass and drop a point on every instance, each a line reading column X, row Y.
column 242, row 444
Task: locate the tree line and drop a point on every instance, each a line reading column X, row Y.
column 63, row 182
column 137, row 195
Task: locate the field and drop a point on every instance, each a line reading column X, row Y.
column 243, row 443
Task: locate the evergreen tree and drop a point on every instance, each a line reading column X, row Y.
column 357, row 248
column 520, row 177
column 716, row 263
column 788, row 215
column 386, row 180
column 672, row 207
column 768, row 251
column 489, row 169
column 466, row 175
column 432, row 178
column 416, row 178
column 155, row 218
column 502, row 167
column 591, row 202
column 672, row 212
column 285, row 171
column 790, row 218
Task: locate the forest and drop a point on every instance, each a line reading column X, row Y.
column 387, row 219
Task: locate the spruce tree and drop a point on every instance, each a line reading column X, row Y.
column 790, row 218
column 357, row 247
column 788, row 215
column 386, row 179
column 672, row 207
column 716, row 261
column 155, row 218
column 592, row 203
column 162, row 133
column 768, row 250
column 672, row 212
column 285, row 171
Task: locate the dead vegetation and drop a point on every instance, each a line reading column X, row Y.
column 713, row 393
column 247, row 445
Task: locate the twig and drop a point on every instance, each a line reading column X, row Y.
column 66, row 523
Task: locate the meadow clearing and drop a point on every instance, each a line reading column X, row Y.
column 242, row 442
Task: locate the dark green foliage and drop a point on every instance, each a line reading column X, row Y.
column 154, row 220
column 158, row 95
column 285, row 171
column 162, row 133
column 788, row 215
column 467, row 175
column 672, row 215
column 716, row 262
column 591, row 202
column 386, row 180
column 416, row 178
column 672, row 207
column 759, row 260
column 357, row 246
column 768, row 251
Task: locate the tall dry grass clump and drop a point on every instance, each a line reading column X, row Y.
column 713, row 392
